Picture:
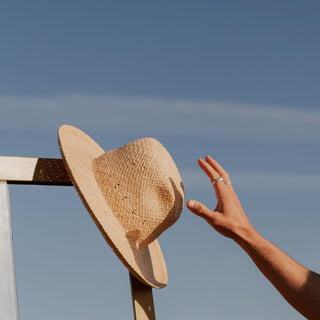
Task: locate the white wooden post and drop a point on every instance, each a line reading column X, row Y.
column 8, row 289
column 18, row 170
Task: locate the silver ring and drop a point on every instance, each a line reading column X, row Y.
column 217, row 180
column 228, row 182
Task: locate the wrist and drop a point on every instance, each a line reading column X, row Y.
column 247, row 237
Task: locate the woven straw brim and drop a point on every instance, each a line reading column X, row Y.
column 78, row 151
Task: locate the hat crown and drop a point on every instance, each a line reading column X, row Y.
column 142, row 186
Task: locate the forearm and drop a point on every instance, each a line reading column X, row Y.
column 298, row 285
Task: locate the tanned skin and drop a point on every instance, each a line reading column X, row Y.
column 297, row 284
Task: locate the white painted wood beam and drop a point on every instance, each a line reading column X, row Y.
column 43, row 171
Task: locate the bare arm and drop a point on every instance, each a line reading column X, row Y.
column 298, row 285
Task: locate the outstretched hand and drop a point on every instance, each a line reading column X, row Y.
column 297, row 284
column 228, row 218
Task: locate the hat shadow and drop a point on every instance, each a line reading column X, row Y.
column 170, row 219
column 143, row 248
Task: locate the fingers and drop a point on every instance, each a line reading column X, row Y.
column 219, row 187
column 199, row 209
column 210, row 172
column 216, row 166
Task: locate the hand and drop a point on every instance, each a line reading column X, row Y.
column 228, row 218
column 298, row 285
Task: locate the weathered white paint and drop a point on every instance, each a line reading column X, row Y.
column 17, row 168
column 8, row 289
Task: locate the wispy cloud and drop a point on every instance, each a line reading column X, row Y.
column 196, row 179
column 219, row 120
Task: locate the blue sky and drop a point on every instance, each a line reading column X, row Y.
column 236, row 80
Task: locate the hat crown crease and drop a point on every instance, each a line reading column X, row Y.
column 142, row 187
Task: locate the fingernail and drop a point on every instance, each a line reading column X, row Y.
column 191, row 204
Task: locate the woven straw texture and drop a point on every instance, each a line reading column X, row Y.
column 132, row 193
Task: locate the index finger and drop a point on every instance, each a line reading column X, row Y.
column 212, row 175
column 215, row 165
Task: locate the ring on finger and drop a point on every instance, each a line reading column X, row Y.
column 228, row 182
column 217, row 180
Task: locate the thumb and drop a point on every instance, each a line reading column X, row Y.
column 199, row 209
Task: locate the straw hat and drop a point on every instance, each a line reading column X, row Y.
column 132, row 193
